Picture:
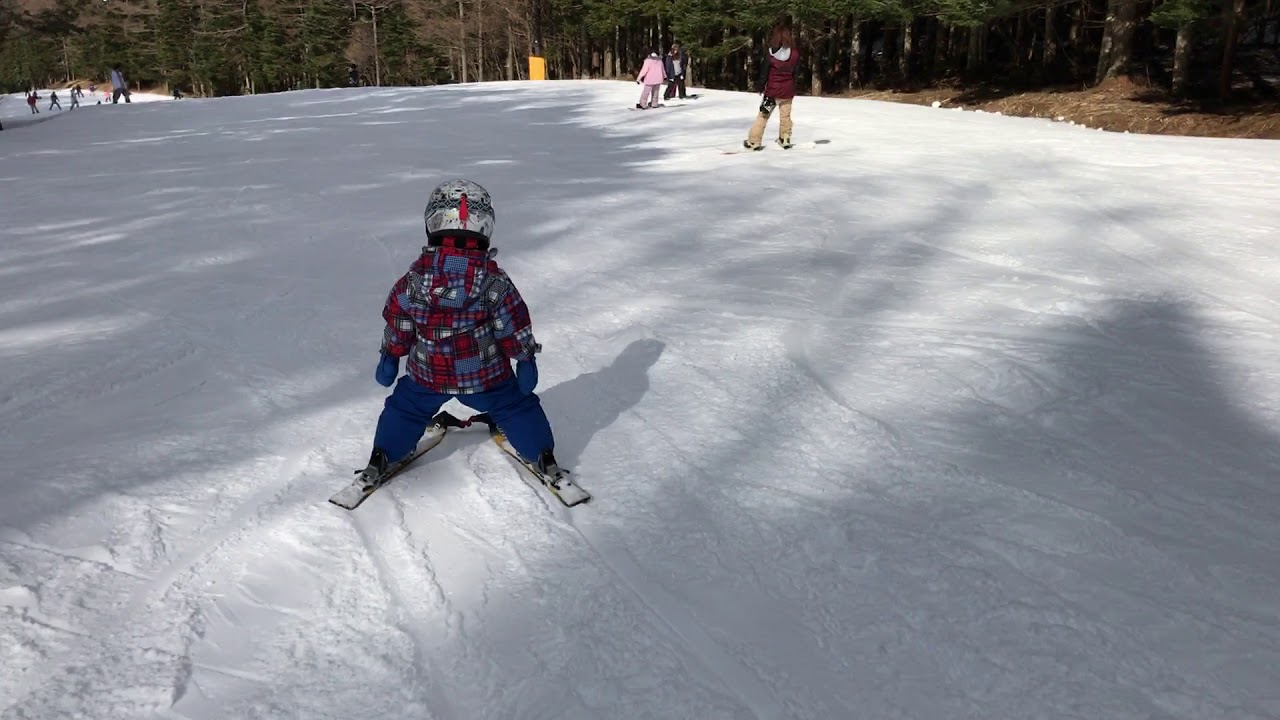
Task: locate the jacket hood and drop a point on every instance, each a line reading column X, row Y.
column 781, row 54
column 450, row 277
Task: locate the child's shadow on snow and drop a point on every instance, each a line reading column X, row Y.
column 585, row 405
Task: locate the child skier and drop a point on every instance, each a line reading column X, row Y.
column 461, row 321
column 651, row 76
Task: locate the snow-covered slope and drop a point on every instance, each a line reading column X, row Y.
column 956, row 416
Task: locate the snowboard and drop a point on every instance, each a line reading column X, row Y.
column 771, row 146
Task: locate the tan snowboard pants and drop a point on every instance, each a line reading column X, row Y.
column 784, row 123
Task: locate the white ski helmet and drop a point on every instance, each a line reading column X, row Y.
column 460, row 208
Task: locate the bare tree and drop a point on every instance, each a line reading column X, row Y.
column 374, row 7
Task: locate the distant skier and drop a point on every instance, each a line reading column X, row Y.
column 651, row 76
column 676, row 64
column 778, row 85
column 31, row 102
column 461, row 321
column 53, row 100
column 118, row 86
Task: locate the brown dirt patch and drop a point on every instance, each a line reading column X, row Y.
column 1117, row 105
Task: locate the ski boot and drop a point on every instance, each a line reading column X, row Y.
column 784, row 141
column 752, row 146
column 376, row 468
column 548, row 466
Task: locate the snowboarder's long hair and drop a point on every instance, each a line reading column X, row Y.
column 781, row 37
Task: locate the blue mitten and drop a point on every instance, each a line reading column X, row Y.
column 526, row 376
column 388, row 369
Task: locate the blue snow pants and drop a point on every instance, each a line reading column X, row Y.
column 410, row 407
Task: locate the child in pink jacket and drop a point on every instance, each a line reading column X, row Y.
column 652, row 75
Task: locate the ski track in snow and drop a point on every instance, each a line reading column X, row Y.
column 950, row 417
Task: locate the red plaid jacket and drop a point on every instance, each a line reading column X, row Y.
column 460, row 320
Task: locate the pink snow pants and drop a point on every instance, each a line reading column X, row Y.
column 650, row 92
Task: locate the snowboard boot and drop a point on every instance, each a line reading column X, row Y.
column 639, row 106
column 752, row 146
column 785, row 142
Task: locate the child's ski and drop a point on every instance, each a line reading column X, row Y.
column 361, row 488
column 566, row 490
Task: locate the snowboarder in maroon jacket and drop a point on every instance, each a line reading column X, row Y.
column 778, row 80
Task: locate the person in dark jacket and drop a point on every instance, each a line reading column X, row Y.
column 119, row 86
column 677, row 64
column 778, row 82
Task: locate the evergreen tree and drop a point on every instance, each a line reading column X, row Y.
column 323, row 36
column 176, row 21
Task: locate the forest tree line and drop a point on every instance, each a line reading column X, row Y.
column 225, row 47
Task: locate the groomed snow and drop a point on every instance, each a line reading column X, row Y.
column 956, row 416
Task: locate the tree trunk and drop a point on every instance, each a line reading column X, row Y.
column 66, row 59
column 511, row 56
column 953, row 48
column 855, row 55
column 908, row 41
column 973, row 61
column 462, row 41
column 809, row 43
column 1020, row 26
column 1050, row 39
column 1266, row 23
column 1074, row 35
column 1117, row 39
column 1182, row 58
column 377, row 57
column 1231, row 10
column 536, row 31
column 480, row 40
column 936, row 50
